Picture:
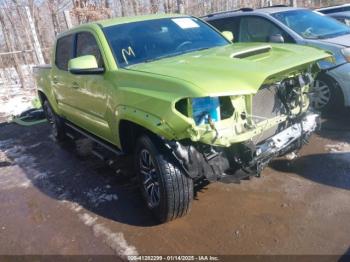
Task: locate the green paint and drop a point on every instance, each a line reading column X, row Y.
column 146, row 93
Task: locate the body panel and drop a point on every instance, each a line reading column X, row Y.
column 146, row 93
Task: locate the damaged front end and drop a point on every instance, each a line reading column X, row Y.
column 234, row 137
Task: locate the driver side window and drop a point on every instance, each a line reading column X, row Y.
column 257, row 29
column 87, row 45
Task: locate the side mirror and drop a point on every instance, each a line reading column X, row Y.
column 84, row 65
column 228, row 35
column 276, row 38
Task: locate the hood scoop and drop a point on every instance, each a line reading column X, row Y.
column 252, row 52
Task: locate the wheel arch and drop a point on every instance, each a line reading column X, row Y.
column 129, row 132
column 43, row 97
column 131, row 122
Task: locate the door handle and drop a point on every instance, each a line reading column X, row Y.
column 75, row 85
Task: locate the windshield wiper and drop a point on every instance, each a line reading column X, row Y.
column 201, row 49
column 175, row 54
column 161, row 57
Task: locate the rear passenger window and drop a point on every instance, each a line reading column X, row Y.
column 227, row 24
column 87, row 45
column 64, row 51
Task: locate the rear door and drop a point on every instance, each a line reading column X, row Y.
column 61, row 79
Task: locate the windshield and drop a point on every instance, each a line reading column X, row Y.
column 150, row 40
column 312, row 25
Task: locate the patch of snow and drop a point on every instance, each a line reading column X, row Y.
column 98, row 196
column 9, row 178
column 34, row 146
column 115, row 240
column 338, row 148
column 87, row 219
column 6, row 143
column 40, row 176
column 15, row 105
column 14, row 99
column 74, row 206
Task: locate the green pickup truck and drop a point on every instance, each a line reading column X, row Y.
column 180, row 97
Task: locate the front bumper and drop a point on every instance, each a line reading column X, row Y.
column 283, row 140
column 342, row 75
column 243, row 159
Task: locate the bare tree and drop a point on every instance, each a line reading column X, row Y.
column 180, row 8
column 154, row 6
column 135, row 6
column 11, row 47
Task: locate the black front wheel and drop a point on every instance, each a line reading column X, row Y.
column 168, row 192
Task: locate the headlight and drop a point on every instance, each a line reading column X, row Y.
column 206, row 110
column 346, row 53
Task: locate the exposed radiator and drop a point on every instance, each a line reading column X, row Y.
column 266, row 105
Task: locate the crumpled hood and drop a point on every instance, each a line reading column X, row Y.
column 343, row 40
column 236, row 68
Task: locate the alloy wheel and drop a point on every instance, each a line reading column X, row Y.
column 149, row 178
column 321, row 95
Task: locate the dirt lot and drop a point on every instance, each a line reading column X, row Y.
column 54, row 201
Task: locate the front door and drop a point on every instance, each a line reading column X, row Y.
column 90, row 96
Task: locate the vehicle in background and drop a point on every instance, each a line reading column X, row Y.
column 182, row 99
column 339, row 12
column 334, row 9
column 343, row 17
column 301, row 26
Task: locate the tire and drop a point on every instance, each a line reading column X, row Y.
column 328, row 96
column 56, row 122
column 172, row 189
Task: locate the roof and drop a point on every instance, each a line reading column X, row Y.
column 273, row 10
column 122, row 20
column 332, row 7
column 130, row 19
column 237, row 12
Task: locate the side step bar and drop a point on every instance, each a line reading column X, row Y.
column 94, row 138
